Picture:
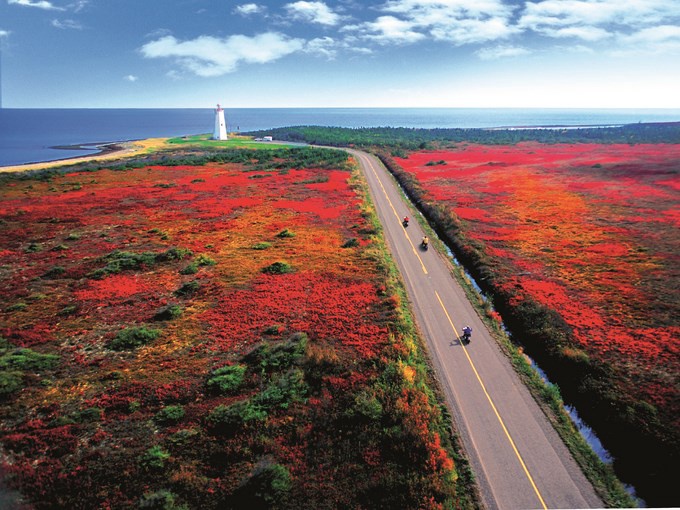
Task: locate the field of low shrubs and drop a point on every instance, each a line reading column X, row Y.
column 211, row 333
column 577, row 246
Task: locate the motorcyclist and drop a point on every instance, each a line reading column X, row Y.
column 406, row 220
column 425, row 242
column 467, row 333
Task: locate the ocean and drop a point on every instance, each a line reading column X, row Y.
column 32, row 135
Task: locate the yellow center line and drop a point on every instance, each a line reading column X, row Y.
column 493, row 406
column 415, row 252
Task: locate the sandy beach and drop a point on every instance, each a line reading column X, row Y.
column 109, row 152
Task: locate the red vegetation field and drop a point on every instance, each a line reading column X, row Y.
column 589, row 231
column 215, row 336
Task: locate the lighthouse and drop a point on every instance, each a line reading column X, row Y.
column 220, row 132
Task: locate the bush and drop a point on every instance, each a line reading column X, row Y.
column 281, row 355
column 188, row 288
column 266, row 486
column 160, row 500
column 204, row 260
column 25, row 359
column 226, row 379
column 350, row 243
column 227, row 418
column 10, row 382
column 190, row 269
column 168, row 312
column 285, row 233
column 133, row 337
column 278, row 268
column 88, row 415
column 262, row 246
column 170, row 414
column 283, row 390
column 154, row 458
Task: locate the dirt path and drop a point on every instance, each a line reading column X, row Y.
column 518, row 458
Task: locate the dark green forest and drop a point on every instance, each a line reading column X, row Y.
column 411, row 138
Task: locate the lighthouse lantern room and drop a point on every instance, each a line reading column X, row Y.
column 220, row 132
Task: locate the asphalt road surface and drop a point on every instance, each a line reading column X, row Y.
column 519, row 460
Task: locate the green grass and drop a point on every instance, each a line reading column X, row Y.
column 204, row 141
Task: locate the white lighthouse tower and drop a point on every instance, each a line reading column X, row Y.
column 220, row 132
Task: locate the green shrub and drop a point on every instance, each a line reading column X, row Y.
column 168, row 312
column 160, row 500
column 88, row 415
column 226, row 379
column 285, row 233
column 204, row 260
column 190, row 269
column 25, row 359
column 267, row 485
column 188, row 288
column 350, row 243
column 154, row 458
column 67, row 310
column 73, row 236
column 262, row 245
column 16, row 307
column 133, row 337
column 53, row 272
column 280, row 356
column 284, row 390
column 10, row 381
column 278, row 268
column 367, row 404
column 170, row 414
column 228, row 418
column 183, row 436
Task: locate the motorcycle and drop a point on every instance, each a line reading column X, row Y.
column 405, row 222
column 424, row 244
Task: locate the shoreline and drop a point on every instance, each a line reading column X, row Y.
column 107, row 151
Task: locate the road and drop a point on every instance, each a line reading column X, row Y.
column 519, row 460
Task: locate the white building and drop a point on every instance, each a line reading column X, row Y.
column 220, row 132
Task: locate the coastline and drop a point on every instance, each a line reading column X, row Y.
column 107, row 151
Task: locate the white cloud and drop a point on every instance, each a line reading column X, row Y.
column 131, row 78
column 212, row 56
column 314, row 12
column 324, row 46
column 456, row 21
column 660, row 39
column 248, row 9
column 593, row 20
column 4, row 33
column 79, row 5
column 501, row 52
column 66, row 24
column 40, row 4
column 388, row 30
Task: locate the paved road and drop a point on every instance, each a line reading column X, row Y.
column 518, row 458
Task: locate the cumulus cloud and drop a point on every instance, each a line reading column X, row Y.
column 660, row 39
column 314, row 12
column 66, row 24
column 324, row 46
column 212, row 56
column 131, row 78
column 40, row 4
column 594, row 20
column 456, row 21
column 4, row 33
column 388, row 30
column 501, row 52
column 248, row 9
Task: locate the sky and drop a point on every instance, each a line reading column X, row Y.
column 340, row 53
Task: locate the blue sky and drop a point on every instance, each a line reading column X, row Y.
column 340, row 53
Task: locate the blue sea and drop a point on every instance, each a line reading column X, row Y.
column 31, row 135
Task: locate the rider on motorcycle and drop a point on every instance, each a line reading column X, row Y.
column 467, row 333
column 406, row 220
column 425, row 242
